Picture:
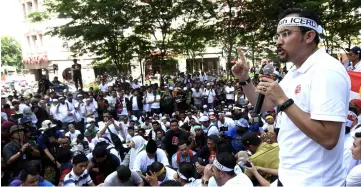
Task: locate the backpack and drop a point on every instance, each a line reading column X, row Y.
column 190, row 152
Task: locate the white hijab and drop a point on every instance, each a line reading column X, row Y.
column 139, row 143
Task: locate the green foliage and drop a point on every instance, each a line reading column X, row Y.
column 37, row 16
column 11, row 52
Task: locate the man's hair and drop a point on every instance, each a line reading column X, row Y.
column 75, row 60
column 306, row 14
column 174, row 121
column 181, row 142
column 227, row 159
column 187, row 169
column 29, row 171
column 251, row 138
column 123, row 173
column 223, row 146
column 155, row 122
column 155, row 167
column 100, row 152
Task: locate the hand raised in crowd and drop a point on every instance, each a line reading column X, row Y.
column 152, row 179
column 252, row 169
column 208, row 173
column 272, row 90
column 240, row 69
column 25, row 147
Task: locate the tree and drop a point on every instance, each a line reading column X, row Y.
column 96, row 27
column 11, row 52
column 163, row 22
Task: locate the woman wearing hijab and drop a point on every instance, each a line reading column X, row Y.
column 186, row 175
column 137, row 145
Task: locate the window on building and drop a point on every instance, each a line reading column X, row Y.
column 41, row 40
column 29, row 43
column 36, row 5
column 35, row 41
column 24, row 9
column 29, row 5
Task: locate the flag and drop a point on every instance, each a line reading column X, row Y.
column 355, row 84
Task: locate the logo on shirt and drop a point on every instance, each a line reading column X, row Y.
column 174, row 140
column 298, row 89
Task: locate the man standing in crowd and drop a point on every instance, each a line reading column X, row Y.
column 354, row 56
column 77, row 78
column 311, row 119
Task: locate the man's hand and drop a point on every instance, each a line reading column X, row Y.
column 25, row 147
column 208, row 173
column 152, row 179
column 240, row 69
column 272, row 91
column 199, row 168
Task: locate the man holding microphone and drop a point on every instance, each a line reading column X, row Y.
column 312, row 102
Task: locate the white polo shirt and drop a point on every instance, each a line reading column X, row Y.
column 320, row 87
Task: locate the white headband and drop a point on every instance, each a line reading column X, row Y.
column 220, row 166
column 184, row 177
column 301, row 22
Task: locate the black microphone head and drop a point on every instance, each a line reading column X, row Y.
column 268, row 69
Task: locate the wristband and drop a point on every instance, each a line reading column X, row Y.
column 245, row 82
column 286, row 104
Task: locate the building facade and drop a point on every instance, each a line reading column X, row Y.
column 40, row 51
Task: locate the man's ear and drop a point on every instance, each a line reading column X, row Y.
column 310, row 36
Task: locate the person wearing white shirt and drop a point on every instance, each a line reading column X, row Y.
column 88, row 109
column 209, row 94
column 163, row 173
column 149, row 99
column 229, row 89
column 147, row 157
column 107, row 124
column 197, row 96
column 135, row 84
column 103, row 86
column 209, row 128
column 225, row 123
column 354, row 177
column 311, row 120
column 112, row 99
column 72, row 133
column 223, row 172
column 79, row 175
column 349, row 162
column 155, row 106
column 354, row 55
column 65, row 111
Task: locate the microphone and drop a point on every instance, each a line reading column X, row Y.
column 267, row 72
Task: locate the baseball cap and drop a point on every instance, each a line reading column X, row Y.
column 242, row 123
column 25, row 119
column 203, row 119
column 355, row 50
column 250, row 138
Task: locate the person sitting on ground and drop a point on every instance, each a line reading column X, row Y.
column 123, row 177
column 79, row 175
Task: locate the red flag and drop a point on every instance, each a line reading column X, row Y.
column 355, row 84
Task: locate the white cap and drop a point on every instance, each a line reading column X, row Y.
column 90, row 119
column 203, row 119
column 228, row 114
column 171, row 88
column 185, row 89
column 236, row 108
column 242, row 123
column 134, row 118
column 204, row 106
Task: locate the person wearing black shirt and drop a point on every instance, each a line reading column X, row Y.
column 76, row 68
column 172, row 137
